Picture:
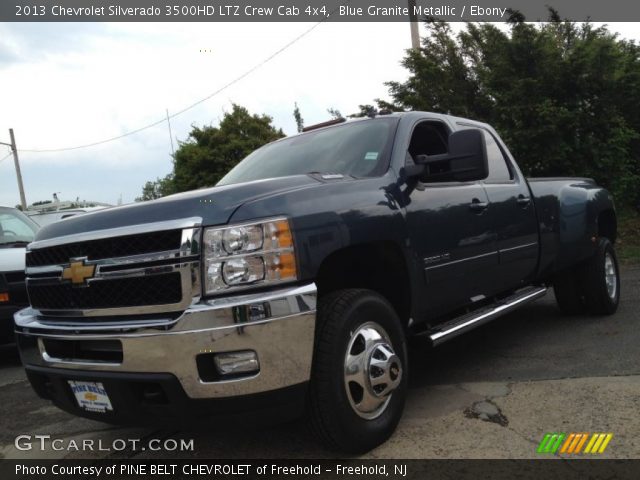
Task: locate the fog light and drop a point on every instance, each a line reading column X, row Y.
column 232, row 363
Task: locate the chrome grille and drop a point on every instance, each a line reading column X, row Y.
column 124, row 292
column 144, row 273
column 106, row 248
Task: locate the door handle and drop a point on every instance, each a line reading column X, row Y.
column 523, row 201
column 477, row 206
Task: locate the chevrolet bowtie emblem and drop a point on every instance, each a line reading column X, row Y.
column 78, row 272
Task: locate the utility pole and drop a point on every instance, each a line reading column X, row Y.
column 413, row 22
column 173, row 152
column 14, row 150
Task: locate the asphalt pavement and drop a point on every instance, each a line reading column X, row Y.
column 492, row 393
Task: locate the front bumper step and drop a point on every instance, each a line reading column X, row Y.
column 279, row 326
column 158, row 399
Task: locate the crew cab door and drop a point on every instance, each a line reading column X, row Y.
column 512, row 218
column 449, row 231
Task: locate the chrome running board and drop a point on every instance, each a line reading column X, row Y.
column 459, row 325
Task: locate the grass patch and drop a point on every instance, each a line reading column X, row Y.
column 628, row 244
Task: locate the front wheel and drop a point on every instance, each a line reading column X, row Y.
column 359, row 377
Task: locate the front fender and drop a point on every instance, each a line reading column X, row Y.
column 332, row 215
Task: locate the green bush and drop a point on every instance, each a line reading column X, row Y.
column 563, row 95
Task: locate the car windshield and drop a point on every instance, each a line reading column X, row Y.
column 359, row 149
column 16, row 229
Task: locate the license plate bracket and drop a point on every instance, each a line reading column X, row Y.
column 91, row 396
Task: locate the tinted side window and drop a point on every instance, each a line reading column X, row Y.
column 498, row 169
column 429, row 138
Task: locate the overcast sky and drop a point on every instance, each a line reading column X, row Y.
column 69, row 84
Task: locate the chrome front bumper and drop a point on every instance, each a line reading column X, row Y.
column 279, row 326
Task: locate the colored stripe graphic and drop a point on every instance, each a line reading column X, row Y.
column 551, row 442
column 581, row 443
column 606, row 441
column 598, row 443
column 543, row 443
column 565, row 447
column 557, row 443
column 573, row 443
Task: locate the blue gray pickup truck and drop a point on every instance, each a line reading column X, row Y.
column 292, row 286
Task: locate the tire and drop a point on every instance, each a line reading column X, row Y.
column 601, row 280
column 349, row 413
column 568, row 292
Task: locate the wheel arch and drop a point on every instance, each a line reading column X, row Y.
column 379, row 266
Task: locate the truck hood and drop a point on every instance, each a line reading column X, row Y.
column 214, row 205
column 12, row 259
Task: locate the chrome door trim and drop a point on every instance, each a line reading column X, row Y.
column 460, row 260
column 518, row 247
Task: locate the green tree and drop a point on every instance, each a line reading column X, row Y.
column 364, row 111
column 210, row 152
column 161, row 187
column 563, row 95
column 298, row 116
column 334, row 112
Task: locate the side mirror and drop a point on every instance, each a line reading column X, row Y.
column 466, row 160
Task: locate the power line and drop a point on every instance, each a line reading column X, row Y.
column 5, row 157
column 195, row 104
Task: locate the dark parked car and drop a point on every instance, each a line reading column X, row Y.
column 293, row 285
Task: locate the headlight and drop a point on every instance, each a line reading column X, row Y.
column 248, row 254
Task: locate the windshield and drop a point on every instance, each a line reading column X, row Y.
column 359, row 149
column 16, row 229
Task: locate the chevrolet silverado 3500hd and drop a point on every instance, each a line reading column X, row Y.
column 293, row 284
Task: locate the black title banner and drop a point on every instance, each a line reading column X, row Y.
column 311, row 10
column 201, row 469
